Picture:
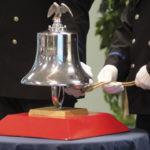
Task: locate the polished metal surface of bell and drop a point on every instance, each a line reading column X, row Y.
column 57, row 60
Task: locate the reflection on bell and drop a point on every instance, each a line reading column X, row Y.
column 57, row 60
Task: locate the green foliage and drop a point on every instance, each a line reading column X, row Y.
column 111, row 11
column 106, row 25
column 113, row 101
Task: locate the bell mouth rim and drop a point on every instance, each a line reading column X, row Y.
column 49, row 85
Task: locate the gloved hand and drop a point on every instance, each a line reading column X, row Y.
column 142, row 78
column 76, row 91
column 107, row 74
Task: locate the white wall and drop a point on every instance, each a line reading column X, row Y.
column 94, row 100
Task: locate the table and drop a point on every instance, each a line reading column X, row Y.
column 134, row 140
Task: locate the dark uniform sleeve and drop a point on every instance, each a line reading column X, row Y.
column 121, row 42
column 79, row 22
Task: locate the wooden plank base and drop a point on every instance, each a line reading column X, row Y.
column 58, row 113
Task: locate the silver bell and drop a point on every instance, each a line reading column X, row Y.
column 57, row 60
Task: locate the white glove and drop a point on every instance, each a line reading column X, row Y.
column 142, row 78
column 107, row 74
column 76, row 91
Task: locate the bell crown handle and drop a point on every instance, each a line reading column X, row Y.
column 58, row 10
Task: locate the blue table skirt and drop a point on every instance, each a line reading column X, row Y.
column 132, row 140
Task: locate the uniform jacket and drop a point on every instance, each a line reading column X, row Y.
column 130, row 50
column 20, row 20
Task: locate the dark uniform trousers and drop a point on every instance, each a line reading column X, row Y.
column 130, row 50
column 143, row 122
column 20, row 20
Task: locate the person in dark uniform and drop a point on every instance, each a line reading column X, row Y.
column 129, row 60
column 19, row 23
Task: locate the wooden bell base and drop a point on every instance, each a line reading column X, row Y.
column 65, row 112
